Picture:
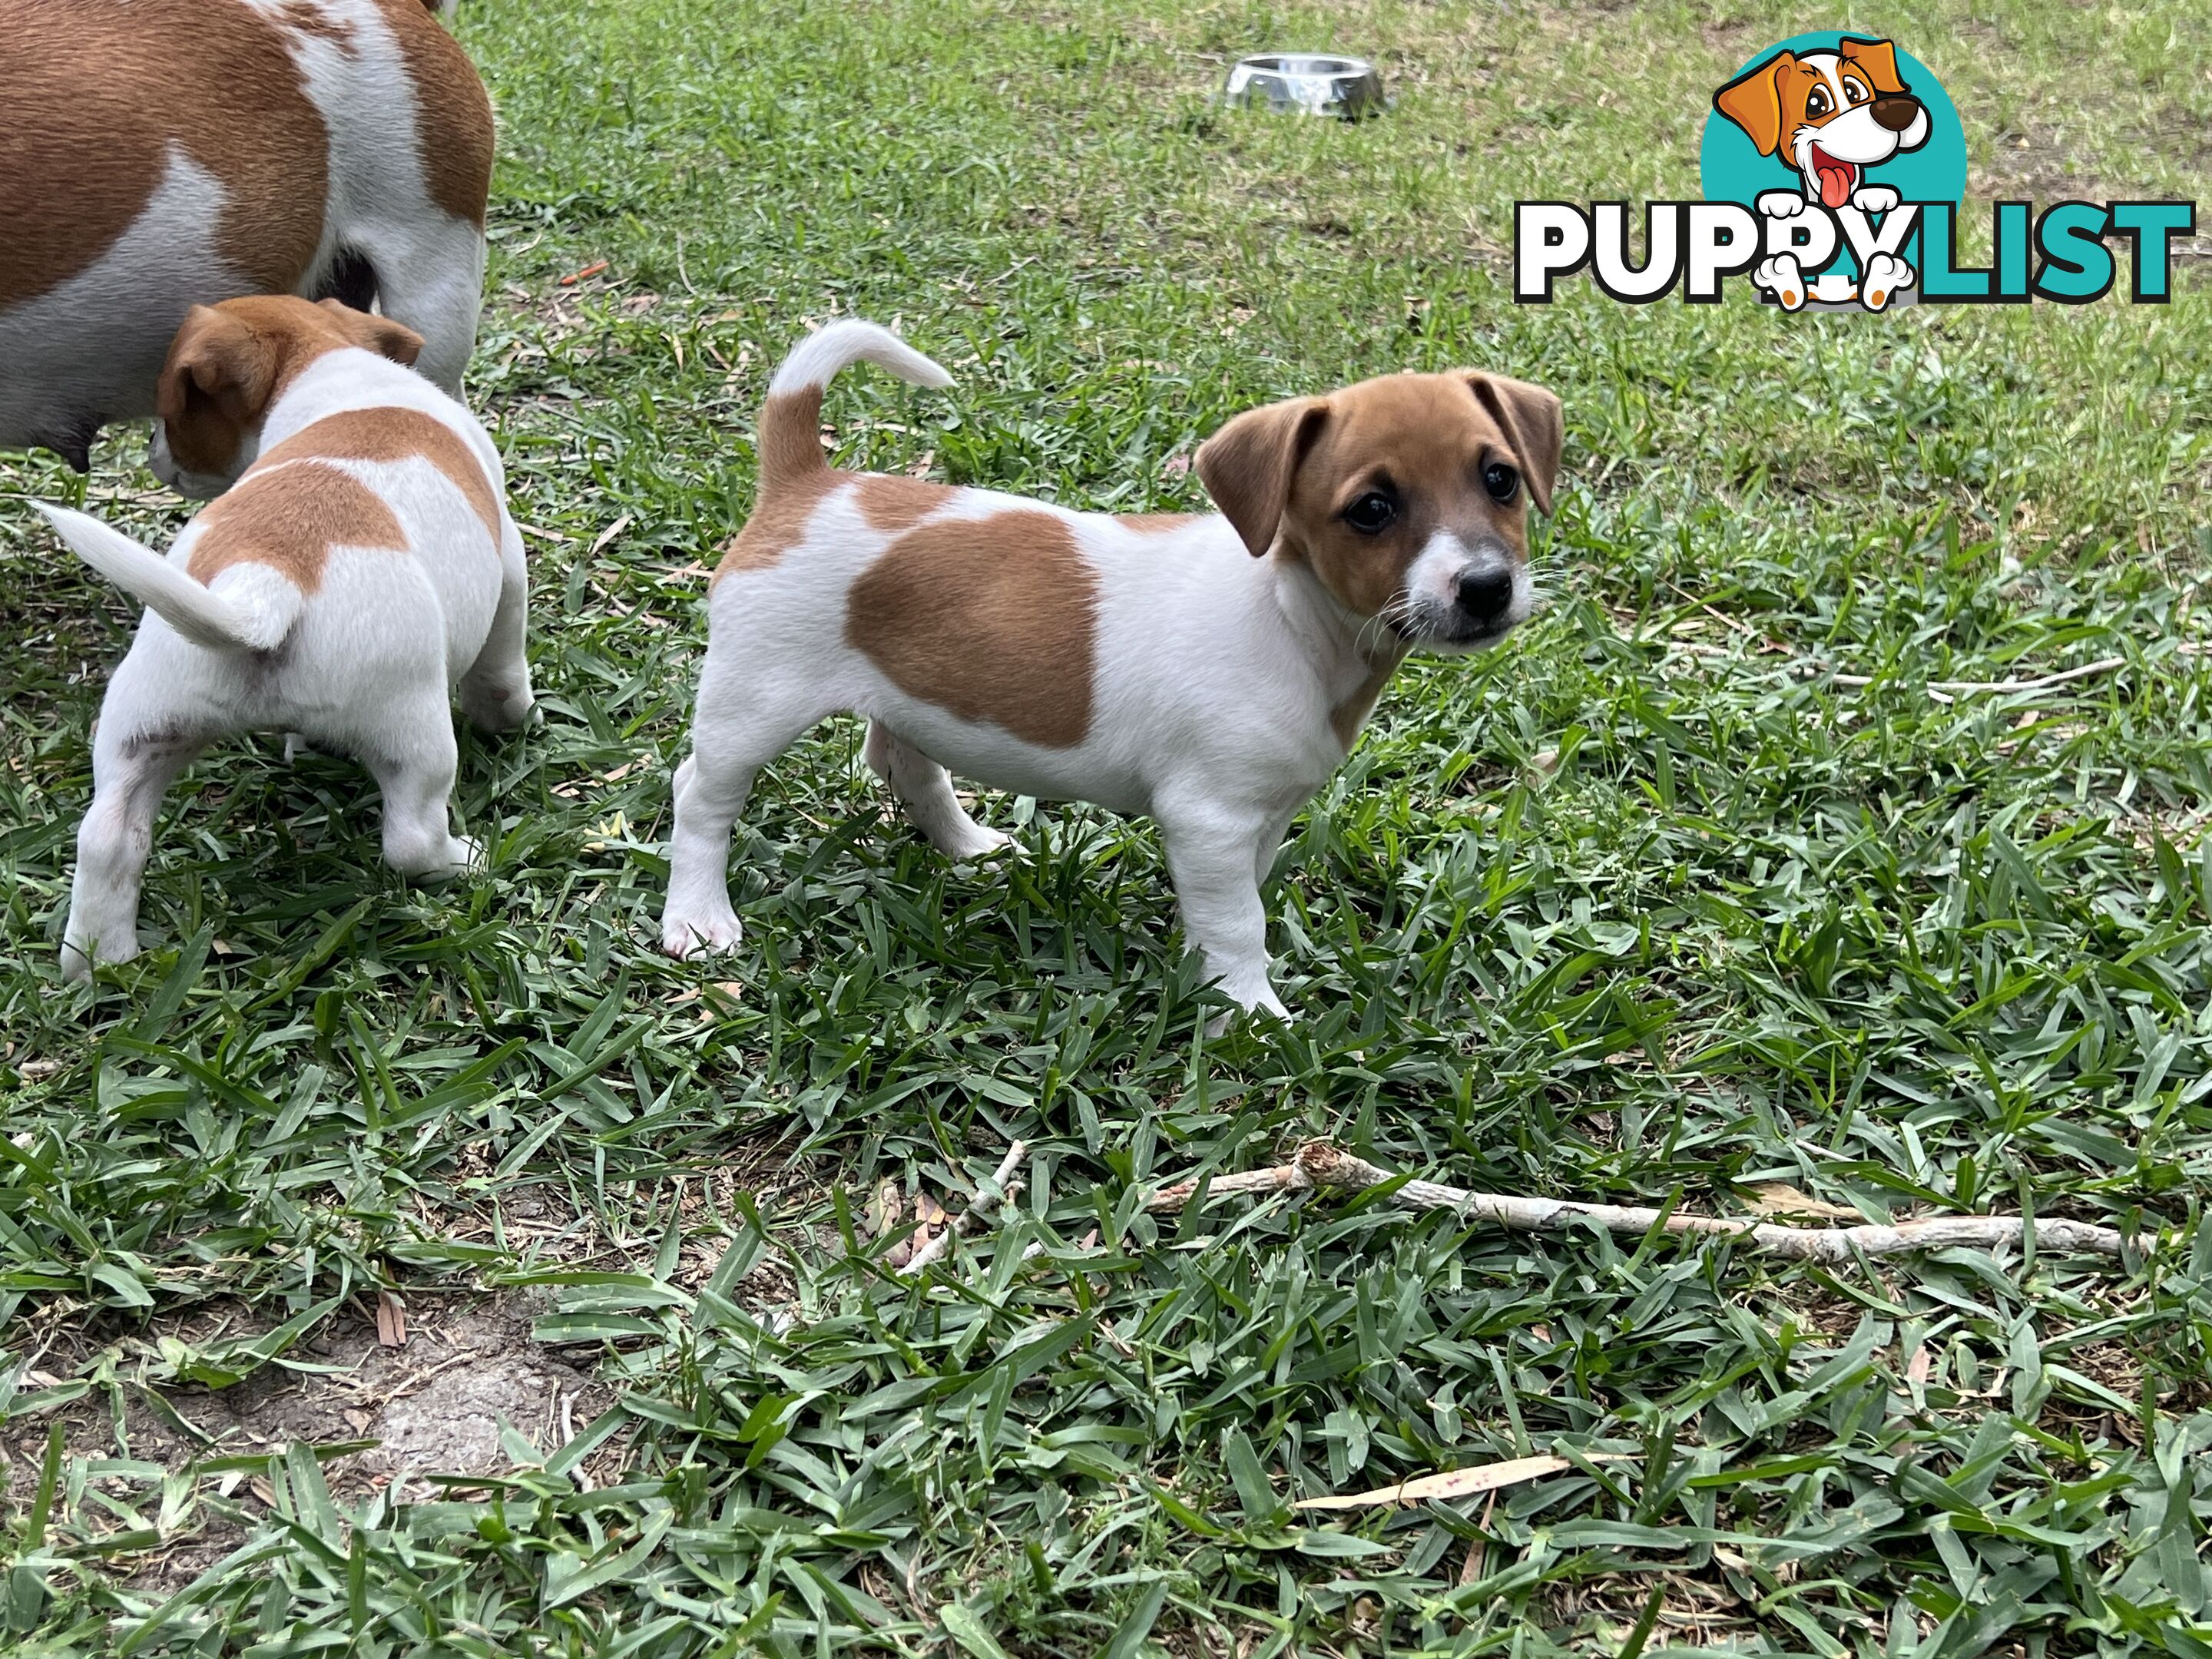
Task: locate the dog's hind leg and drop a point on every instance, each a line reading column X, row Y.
column 738, row 730
column 430, row 277
column 495, row 691
column 131, row 771
column 413, row 757
column 924, row 789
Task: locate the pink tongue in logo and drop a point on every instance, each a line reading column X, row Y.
column 1835, row 185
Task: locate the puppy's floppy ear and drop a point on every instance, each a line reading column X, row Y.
column 1877, row 58
column 1754, row 100
column 1529, row 417
column 378, row 334
column 1247, row 466
column 218, row 380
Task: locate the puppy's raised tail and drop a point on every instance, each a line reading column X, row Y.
column 255, row 620
column 790, row 440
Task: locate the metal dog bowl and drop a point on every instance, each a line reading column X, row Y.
column 1306, row 83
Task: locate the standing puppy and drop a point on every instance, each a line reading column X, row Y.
column 361, row 565
column 1212, row 672
column 160, row 154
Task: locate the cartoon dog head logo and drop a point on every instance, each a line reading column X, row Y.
column 1836, row 142
column 1832, row 114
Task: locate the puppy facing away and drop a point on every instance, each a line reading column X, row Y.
column 1212, row 672
column 157, row 153
column 362, row 563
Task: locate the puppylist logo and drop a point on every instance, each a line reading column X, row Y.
column 1833, row 167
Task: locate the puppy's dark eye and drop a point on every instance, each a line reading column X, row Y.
column 1501, row 481
column 1816, row 103
column 1372, row 514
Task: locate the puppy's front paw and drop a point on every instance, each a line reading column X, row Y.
column 684, row 935
column 1874, row 198
column 1886, row 276
column 979, row 844
column 1780, row 203
column 462, row 854
column 1782, row 277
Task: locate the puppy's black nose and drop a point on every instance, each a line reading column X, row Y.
column 1896, row 113
column 1485, row 594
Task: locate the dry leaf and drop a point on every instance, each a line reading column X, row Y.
column 1780, row 1198
column 1455, row 1483
column 884, row 1215
column 390, row 1319
column 1917, row 1367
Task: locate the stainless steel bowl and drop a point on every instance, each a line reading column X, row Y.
column 1306, row 83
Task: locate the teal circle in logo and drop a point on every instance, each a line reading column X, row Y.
column 1764, row 127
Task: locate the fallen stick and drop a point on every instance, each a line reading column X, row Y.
column 1321, row 1163
column 1002, row 1191
column 1964, row 688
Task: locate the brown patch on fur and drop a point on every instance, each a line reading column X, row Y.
column 991, row 619
column 1349, row 716
column 793, row 479
column 230, row 361
column 388, row 434
column 891, row 503
column 1156, row 524
column 97, row 96
column 778, row 525
column 306, row 17
column 453, row 124
column 288, row 520
column 787, row 439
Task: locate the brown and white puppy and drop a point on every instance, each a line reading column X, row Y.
column 363, row 564
column 1212, row 672
column 159, row 153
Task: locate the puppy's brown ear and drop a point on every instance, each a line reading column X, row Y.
column 1877, row 58
column 1247, row 466
column 1529, row 417
column 1754, row 100
column 217, row 382
column 378, row 334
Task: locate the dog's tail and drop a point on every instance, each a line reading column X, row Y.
column 790, row 440
column 254, row 621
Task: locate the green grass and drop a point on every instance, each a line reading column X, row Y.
column 1648, row 906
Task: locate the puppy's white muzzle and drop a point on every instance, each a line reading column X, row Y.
column 1464, row 597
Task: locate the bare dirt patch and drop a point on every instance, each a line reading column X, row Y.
column 435, row 1405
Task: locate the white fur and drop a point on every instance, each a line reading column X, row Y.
column 89, row 351
column 841, row 344
column 364, row 665
column 1216, row 676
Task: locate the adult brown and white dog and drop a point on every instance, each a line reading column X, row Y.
column 1212, row 672
column 159, row 153
column 362, row 564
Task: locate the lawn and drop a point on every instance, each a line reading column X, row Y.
column 1696, row 894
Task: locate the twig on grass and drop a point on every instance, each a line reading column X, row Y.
column 1967, row 687
column 1321, row 1163
column 999, row 1194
